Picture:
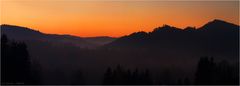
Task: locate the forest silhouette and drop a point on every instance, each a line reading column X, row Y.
column 16, row 64
column 166, row 56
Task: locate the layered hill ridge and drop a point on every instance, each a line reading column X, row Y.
column 164, row 47
column 213, row 35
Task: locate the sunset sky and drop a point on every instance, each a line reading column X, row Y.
column 112, row 18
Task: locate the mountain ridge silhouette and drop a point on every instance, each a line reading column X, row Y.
column 214, row 37
column 165, row 27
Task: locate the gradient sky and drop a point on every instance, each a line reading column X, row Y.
column 113, row 18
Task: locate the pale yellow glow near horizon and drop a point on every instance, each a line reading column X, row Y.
column 113, row 18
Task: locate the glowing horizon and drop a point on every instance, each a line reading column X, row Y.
column 113, row 18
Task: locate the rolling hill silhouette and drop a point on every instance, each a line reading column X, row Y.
column 27, row 34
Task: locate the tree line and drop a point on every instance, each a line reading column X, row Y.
column 222, row 73
column 121, row 76
column 208, row 72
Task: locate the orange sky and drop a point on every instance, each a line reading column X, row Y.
column 111, row 17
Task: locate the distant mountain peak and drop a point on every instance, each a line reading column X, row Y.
column 140, row 33
column 190, row 28
column 217, row 24
column 218, row 21
column 166, row 28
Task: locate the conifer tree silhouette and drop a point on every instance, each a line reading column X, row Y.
column 15, row 63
